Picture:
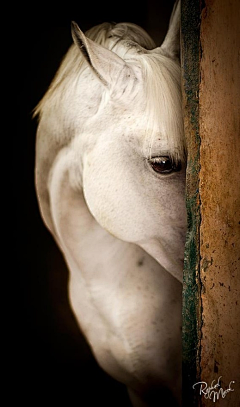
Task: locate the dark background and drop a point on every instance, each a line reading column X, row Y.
column 56, row 364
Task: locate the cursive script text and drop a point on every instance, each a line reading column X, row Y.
column 215, row 391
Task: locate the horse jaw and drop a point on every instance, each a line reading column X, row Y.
column 165, row 258
column 151, row 222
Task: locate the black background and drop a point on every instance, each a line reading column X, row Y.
column 55, row 364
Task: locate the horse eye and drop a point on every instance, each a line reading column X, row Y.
column 164, row 165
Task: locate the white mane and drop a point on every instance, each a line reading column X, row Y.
column 161, row 76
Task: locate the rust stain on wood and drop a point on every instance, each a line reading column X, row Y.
column 219, row 123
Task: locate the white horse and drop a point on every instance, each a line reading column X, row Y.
column 110, row 181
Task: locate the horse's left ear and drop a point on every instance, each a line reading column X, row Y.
column 104, row 63
column 171, row 43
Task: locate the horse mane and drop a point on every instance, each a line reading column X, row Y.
column 107, row 34
column 129, row 41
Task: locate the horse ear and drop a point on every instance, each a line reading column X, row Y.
column 171, row 43
column 103, row 62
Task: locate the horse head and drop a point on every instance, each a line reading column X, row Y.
column 133, row 149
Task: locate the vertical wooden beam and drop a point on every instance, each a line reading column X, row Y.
column 190, row 40
column 219, row 124
column 211, row 287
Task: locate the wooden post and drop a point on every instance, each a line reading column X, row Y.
column 190, row 40
column 211, row 88
column 219, row 123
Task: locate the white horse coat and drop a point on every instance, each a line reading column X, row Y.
column 110, row 180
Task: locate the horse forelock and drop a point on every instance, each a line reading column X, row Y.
column 163, row 112
column 161, row 80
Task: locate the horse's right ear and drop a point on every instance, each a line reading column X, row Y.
column 171, row 43
column 103, row 62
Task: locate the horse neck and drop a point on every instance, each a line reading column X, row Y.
column 107, row 279
column 59, row 123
